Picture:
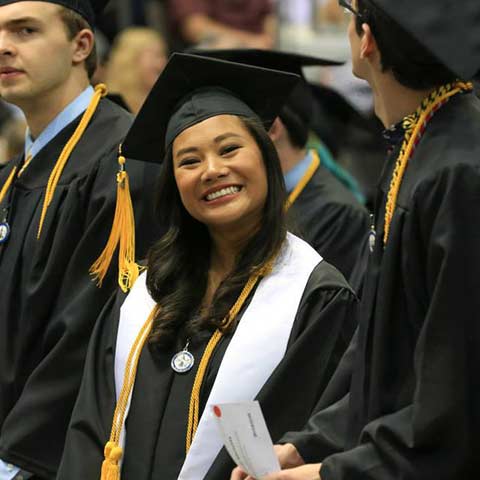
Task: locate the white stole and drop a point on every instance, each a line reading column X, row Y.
column 256, row 348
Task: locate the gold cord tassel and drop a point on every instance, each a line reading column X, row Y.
column 122, row 234
column 100, row 91
column 110, row 467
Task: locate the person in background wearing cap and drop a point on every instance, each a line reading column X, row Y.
column 323, row 211
column 57, row 202
column 231, row 307
column 413, row 407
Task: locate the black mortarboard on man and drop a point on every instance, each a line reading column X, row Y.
column 88, row 9
column 449, row 29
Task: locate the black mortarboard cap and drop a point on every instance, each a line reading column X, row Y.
column 274, row 59
column 193, row 88
column 333, row 113
column 300, row 100
column 335, row 105
column 449, row 29
column 88, row 9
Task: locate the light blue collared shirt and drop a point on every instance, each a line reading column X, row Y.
column 67, row 115
column 32, row 147
column 293, row 176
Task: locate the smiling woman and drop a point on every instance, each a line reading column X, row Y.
column 217, row 163
column 231, row 307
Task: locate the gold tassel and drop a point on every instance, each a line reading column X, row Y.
column 110, row 467
column 122, row 234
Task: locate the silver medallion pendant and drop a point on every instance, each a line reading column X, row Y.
column 182, row 361
column 4, row 232
column 372, row 237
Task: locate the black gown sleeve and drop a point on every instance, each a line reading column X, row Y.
column 340, row 237
column 325, row 432
column 437, row 435
column 91, row 421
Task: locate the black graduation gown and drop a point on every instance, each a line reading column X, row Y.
column 48, row 302
column 157, row 420
column 334, row 223
column 414, row 404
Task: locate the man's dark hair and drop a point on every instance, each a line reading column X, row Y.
column 410, row 62
column 74, row 23
column 297, row 114
column 297, row 128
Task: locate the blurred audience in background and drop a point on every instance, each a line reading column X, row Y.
column 12, row 133
column 223, row 23
column 137, row 58
column 331, row 13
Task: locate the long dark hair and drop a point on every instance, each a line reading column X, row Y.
column 179, row 262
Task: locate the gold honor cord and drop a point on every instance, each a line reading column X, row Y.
column 7, row 184
column 113, row 451
column 307, row 176
column 413, row 132
column 193, row 411
column 100, row 91
column 25, row 164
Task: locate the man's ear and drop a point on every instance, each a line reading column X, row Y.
column 83, row 44
column 276, row 130
column 368, row 45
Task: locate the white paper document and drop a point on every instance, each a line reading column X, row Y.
column 246, row 437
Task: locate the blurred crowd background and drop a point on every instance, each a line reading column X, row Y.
column 135, row 37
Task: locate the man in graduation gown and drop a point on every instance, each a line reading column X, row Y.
column 413, row 407
column 322, row 209
column 57, row 203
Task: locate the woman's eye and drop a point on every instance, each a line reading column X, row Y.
column 229, row 149
column 188, row 161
